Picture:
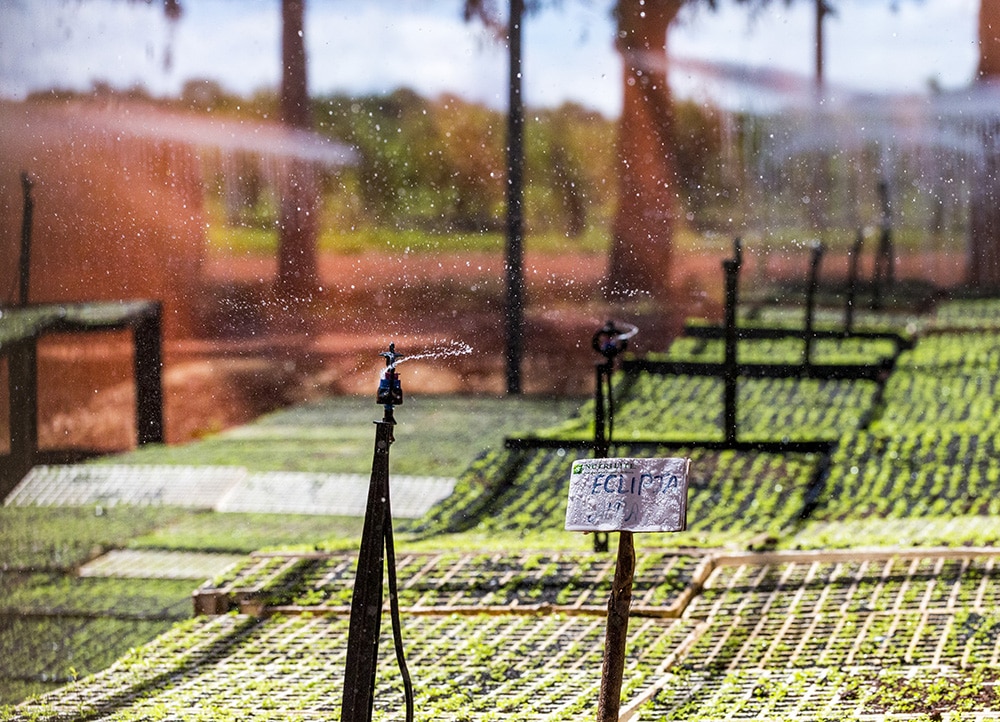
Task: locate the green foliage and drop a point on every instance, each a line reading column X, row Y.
column 58, row 649
column 57, row 594
column 876, row 637
column 653, row 407
column 969, row 314
column 441, row 164
column 787, row 351
column 436, row 435
column 247, row 532
column 469, row 580
column 61, row 538
column 732, row 495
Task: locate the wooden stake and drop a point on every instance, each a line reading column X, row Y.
column 614, row 641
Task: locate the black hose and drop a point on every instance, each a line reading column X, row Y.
column 397, row 632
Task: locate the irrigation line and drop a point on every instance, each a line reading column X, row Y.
column 397, row 633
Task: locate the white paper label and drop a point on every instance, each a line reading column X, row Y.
column 628, row 495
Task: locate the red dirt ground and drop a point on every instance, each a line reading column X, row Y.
column 252, row 353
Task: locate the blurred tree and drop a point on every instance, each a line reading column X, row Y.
column 984, row 221
column 648, row 153
column 298, row 223
column 642, row 234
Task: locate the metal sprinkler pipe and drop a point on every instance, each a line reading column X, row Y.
column 24, row 260
column 815, row 259
column 731, row 269
column 377, row 550
column 610, row 340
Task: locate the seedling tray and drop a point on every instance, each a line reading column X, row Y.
column 577, row 583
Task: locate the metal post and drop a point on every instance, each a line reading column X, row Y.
column 619, row 602
column 814, row 262
column 601, row 443
column 24, row 266
column 883, row 271
column 148, row 364
column 366, row 601
column 515, row 230
column 731, row 268
column 609, row 341
column 376, row 539
column 22, row 388
column 852, row 281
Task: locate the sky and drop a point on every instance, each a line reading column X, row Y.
column 376, row 46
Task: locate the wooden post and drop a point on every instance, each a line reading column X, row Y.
column 617, row 631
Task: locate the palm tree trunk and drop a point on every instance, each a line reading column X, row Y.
column 298, row 223
column 983, row 269
column 642, row 232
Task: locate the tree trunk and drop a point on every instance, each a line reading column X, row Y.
column 984, row 218
column 643, row 227
column 298, row 223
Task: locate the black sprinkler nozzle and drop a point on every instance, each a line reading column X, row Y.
column 610, row 340
column 390, row 391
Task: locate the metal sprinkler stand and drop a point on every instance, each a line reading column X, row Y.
column 376, row 549
column 609, row 341
column 731, row 268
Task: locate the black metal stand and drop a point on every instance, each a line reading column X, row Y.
column 884, row 270
column 731, row 268
column 808, row 332
column 852, row 281
column 376, row 546
column 602, row 442
column 24, row 261
column 609, row 341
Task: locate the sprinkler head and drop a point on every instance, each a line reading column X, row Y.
column 390, row 391
column 610, row 340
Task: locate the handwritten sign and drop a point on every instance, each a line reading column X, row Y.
column 628, row 495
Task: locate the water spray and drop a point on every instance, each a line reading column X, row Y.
column 610, row 341
column 377, row 551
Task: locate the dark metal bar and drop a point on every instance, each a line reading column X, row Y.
column 601, row 442
column 24, row 263
column 768, row 332
column 515, row 193
column 759, row 371
column 600, row 430
column 22, row 386
column 730, row 372
column 610, row 341
column 883, row 272
column 852, row 281
column 808, row 335
column 778, row 447
column 148, row 361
